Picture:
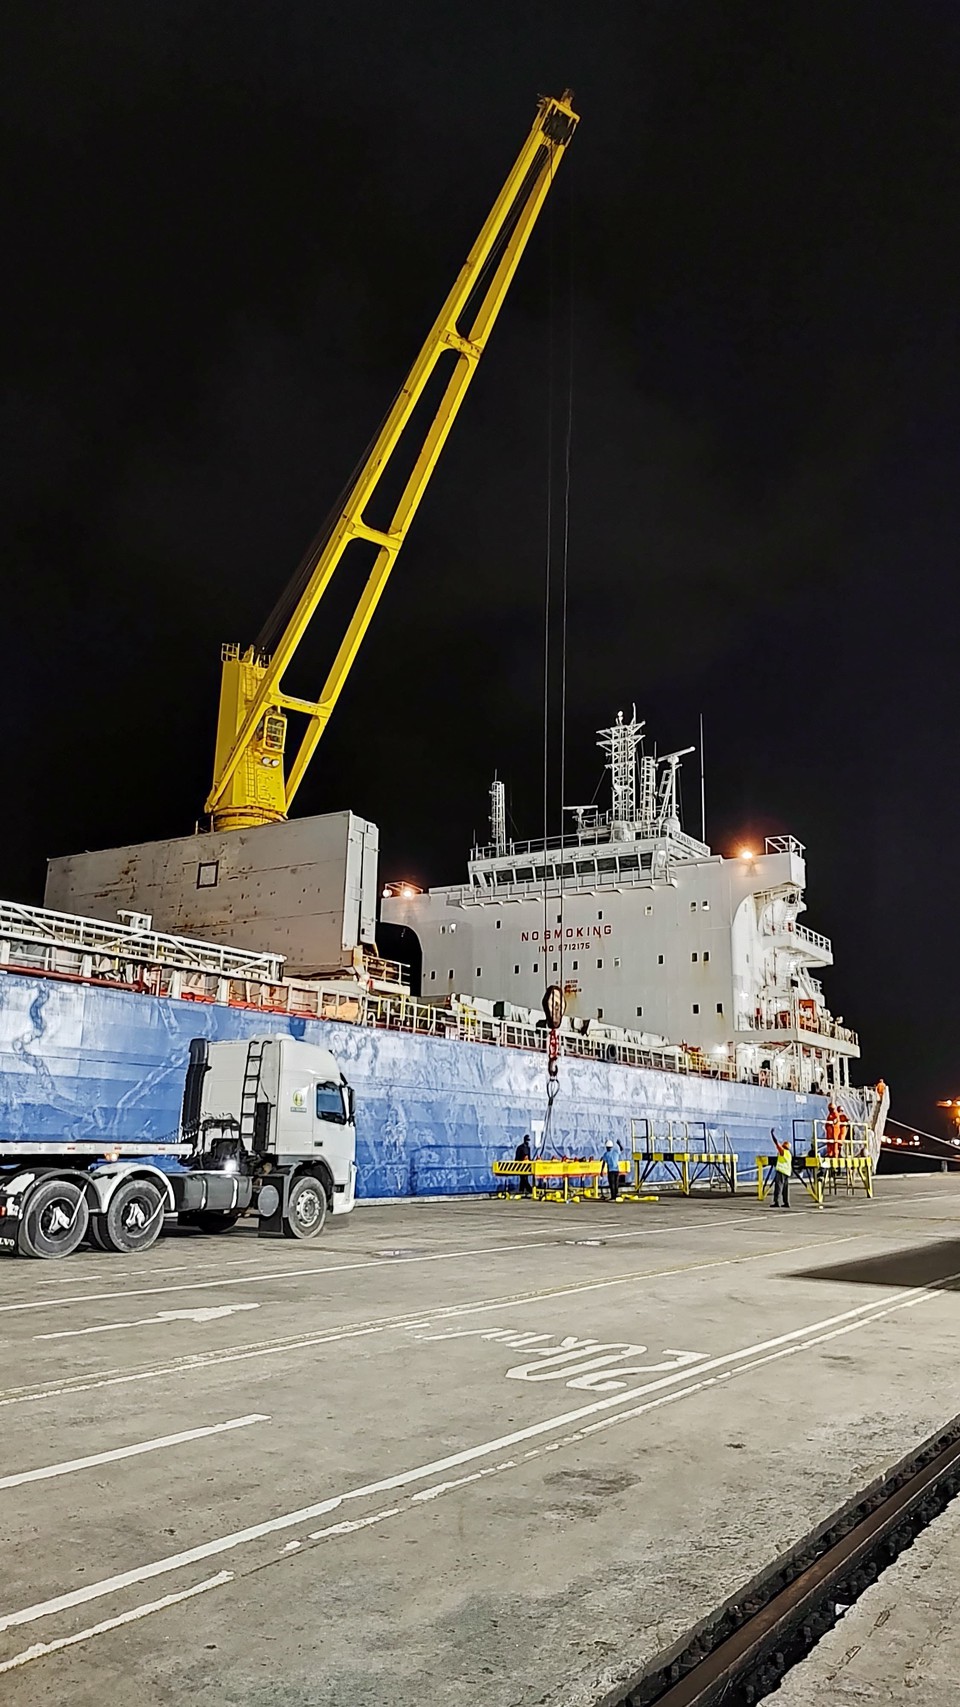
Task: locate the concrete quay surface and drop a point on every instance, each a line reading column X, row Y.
column 463, row 1453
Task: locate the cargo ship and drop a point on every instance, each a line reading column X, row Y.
column 694, row 1019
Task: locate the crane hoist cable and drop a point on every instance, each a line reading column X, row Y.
column 554, row 999
column 252, row 782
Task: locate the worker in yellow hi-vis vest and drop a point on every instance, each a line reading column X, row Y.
column 783, row 1168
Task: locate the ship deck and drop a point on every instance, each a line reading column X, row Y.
column 272, row 1474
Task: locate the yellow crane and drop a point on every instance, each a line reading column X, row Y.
column 251, row 784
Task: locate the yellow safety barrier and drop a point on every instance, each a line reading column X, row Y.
column 688, row 1167
column 553, row 1177
column 817, row 1172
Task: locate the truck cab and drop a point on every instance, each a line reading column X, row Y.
column 286, row 1103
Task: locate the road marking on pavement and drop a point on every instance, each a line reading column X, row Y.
column 860, row 1316
column 65, row 1469
column 195, row 1361
column 39, row 1649
column 210, row 1313
column 265, row 1276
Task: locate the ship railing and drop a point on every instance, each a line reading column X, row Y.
column 45, row 929
column 390, row 972
column 783, row 845
column 813, row 939
column 816, row 1025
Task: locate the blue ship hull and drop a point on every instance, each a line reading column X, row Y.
column 79, row 1061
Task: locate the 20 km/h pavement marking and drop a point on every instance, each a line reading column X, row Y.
column 67, row 1468
column 303, row 1342
column 858, row 1317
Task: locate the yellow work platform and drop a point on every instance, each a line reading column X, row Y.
column 556, row 1179
column 688, row 1168
column 820, row 1174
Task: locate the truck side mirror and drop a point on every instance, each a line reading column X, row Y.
column 351, row 1102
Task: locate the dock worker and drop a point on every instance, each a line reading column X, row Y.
column 522, row 1154
column 783, row 1168
column 612, row 1161
column 832, row 1130
column 843, row 1131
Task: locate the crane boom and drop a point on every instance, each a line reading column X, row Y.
column 250, row 783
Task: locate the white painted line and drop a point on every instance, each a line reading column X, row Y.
column 468, row 1455
column 256, row 1279
column 212, row 1313
column 265, row 1276
column 193, row 1362
column 39, row 1649
column 71, row 1464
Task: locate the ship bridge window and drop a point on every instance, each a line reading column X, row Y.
column 606, row 865
column 525, row 874
column 566, row 870
column 503, row 878
column 646, row 862
column 587, row 868
column 629, row 862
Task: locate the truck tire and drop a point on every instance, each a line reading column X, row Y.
column 95, row 1236
column 306, row 1208
column 210, row 1220
column 133, row 1219
column 54, row 1220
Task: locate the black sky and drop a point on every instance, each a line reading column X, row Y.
column 228, row 229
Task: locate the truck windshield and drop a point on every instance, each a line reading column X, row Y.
column 330, row 1103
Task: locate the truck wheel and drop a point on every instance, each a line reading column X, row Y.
column 95, row 1236
column 134, row 1217
column 306, row 1208
column 55, row 1220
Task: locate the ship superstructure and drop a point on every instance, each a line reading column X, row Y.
column 646, row 928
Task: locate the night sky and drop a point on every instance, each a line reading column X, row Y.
column 229, row 228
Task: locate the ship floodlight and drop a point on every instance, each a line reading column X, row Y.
column 746, row 853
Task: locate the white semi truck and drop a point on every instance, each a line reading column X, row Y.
column 266, row 1130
